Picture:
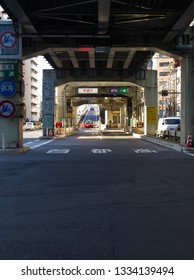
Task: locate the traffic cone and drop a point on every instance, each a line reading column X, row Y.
column 189, row 140
column 50, row 133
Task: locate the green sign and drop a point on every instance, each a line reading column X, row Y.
column 8, row 70
column 123, row 90
column 118, row 90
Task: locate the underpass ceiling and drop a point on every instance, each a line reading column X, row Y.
column 99, row 35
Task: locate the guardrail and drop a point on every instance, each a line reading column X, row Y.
column 173, row 134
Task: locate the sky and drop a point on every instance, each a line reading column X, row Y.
column 42, row 63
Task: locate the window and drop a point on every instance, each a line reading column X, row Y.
column 162, row 55
column 163, row 64
column 164, row 73
column 172, row 121
column 163, row 84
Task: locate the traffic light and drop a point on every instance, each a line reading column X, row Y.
column 69, row 102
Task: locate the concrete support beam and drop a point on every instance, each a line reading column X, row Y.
column 103, row 16
column 187, row 98
column 151, row 103
column 11, row 125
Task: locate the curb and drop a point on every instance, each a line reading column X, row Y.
column 14, row 151
column 173, row 146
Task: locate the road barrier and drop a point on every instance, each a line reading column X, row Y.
column 173, row 135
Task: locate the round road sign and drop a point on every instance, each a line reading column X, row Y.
column 7, row 87
column 7, row 109
column 8, row 40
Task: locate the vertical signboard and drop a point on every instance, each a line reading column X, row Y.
column 11, row 103
column 10, row 42
column 151, row 115
column 8, row 70
column 48, row 101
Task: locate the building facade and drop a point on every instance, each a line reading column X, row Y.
column 169, row 85
column 32, row 96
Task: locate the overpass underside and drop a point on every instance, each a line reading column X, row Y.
column 109, row 41
column 124, row 98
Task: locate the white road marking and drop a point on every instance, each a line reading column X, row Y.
column 58, row 151
column 101, row 151
column 37, row 145
column 28, row 143
column 188, row 153
column 144, row 151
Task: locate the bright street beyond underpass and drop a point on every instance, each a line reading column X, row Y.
column 94, row 197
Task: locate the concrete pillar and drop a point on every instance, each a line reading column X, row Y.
column 187, row 98
column 151, row 103
column 121, row 115
column 11, row 128
column 106, row 117
column 48, row 100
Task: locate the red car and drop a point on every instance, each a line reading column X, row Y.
column 88, row 124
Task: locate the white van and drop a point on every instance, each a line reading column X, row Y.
column 167, row 124
column 28, row 126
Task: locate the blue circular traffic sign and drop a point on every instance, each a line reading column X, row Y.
column 7, row 87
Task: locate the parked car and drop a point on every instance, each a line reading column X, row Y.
column 167, row 124
column 88, row 124
column 28, row 126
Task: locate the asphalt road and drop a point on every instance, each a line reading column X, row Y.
column 88, row 197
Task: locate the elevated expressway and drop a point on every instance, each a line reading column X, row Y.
column 109, row 42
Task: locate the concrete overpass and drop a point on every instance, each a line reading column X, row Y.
column 106, row 41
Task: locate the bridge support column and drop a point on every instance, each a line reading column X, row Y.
column 187, row 98
column 12, row 107
column 151, row 103
column 48, row 101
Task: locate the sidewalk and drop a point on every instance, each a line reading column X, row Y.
column 165, row 142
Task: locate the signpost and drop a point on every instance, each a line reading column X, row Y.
column 11, row 85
